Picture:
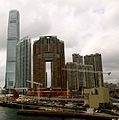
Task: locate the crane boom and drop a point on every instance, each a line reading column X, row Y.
column 34, row 82
column 89, row 71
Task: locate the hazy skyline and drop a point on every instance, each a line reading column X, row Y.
column 86, row 27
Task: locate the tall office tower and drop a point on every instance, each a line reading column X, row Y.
column 96, row 61
column 13, row 37
column 49, row 50
column 23, row 63
column 77, row 58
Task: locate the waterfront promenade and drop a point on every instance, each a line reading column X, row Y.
column 36, row 110
column 55, row 107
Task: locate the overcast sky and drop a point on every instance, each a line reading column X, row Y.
column 85, row 26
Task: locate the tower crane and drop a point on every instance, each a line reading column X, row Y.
column 36, row 83
column 87, row 71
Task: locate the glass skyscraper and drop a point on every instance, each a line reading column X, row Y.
column 23, row 63
column 13, row 38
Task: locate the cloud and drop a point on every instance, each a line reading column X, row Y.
column 2, row 66
column 85, row 26
column 39, row 26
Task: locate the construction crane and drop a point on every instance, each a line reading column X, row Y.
column 84, row 65
column 87, row 71
column 21, row 88
column 36, row 83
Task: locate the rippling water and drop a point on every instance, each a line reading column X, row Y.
column 11, row 114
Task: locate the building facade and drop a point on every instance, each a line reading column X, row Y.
column 72, row 76
column 49, row 49
column 78, row 61
column 77, row 58
column 84, row 72
column 89, row 81
column 23, row 63
column 79, row 75
column 75, row 78
column 96, row 61
column 97, row 97
column 13, row 38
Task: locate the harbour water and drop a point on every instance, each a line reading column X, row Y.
column 11, row 114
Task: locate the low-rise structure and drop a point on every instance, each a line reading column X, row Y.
column 96, row 97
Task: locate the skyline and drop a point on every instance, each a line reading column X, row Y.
column 85, row 27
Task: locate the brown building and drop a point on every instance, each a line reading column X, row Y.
column 78, row 61
column 74, row 78
column 77, row 58
column 84, row 72
column 49, row 49
column 79, row 75
column 96, row 61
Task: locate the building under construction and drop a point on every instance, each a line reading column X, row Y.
column 49, row 49
column 84, row 72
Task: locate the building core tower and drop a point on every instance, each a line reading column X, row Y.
column 49, row 49
column 13, row 37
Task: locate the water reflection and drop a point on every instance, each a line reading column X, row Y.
column 11, row 114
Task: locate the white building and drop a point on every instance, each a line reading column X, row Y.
column 23, row 63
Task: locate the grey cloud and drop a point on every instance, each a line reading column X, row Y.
column 3, row 42
column 111, row 16
column 2, row 75
column 111, row 61
column 3, row 31
column 36, row 28
column 76, row 22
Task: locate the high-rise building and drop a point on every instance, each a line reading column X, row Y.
column 79, row 76
column 77, row 58
column 49, row 49
column 73, row 77
column 13, row 37
column 23, row 63
column 78, row 61
column 77, row 73
column 96, row 61
column 87, row 74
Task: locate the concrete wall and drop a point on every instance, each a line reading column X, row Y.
column 95, row 96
